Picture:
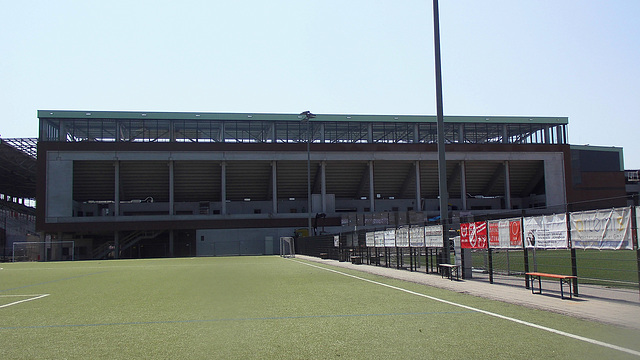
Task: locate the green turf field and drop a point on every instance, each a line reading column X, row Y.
column 267, row 308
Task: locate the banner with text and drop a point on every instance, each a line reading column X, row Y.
column 370, row 240
column 606, row 229
column 390, row 238
column 473, row 235
column 505, row 234
column 379, row 238
column 416, row 236
column 546, row 232
column 433, row 236
column 402, row 237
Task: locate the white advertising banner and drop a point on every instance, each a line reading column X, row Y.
column 605, row 229
column 416, row 236
column 546, row 232
column 379, row 238
column 370, row 239
column 505, row 234
column 637, row 224
column 433, row 236
column 402, row 237
column 390, row 238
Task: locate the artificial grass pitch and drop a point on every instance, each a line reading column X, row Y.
column 263, row 307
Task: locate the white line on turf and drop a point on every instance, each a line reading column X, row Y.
column 522, row 322
column 25, row 300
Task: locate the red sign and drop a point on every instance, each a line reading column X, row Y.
column 515, row 232
column 494, row 234
column 473, row 235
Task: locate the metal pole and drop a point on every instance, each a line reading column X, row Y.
column 307, row 116
column 308, row 177
column 442, row 165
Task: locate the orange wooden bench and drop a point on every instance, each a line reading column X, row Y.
column 564, row 279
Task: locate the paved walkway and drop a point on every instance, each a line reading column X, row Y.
column 596, row 303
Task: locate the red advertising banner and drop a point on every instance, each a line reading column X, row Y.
column 473, row 235
column 494, row 234
column 515, row 233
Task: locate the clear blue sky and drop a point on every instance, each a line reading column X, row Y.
column 574, row 58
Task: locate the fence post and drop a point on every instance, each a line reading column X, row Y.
column 526, row 267
column 574, row 262
column 490, row 264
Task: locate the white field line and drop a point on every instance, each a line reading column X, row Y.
column 35, row 297
column 522, row 322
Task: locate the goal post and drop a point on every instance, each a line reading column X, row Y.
column 44, row 251
column 287, row 247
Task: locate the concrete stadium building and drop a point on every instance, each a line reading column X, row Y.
column 143, row 184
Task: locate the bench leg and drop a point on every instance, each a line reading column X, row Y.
column 532, row 278
column 568, row 282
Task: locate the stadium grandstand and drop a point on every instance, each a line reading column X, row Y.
column 17, row 193
column 147, row 184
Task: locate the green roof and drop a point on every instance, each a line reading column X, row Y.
column 66, row 114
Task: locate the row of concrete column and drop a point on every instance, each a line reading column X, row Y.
column 323, row 186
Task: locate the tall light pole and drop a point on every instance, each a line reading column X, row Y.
column 307, row 116
column 442, row 164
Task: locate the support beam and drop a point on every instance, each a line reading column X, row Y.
column 363, row 181
column 404, row 188
column 497, row 174
column 507, row 186
column 454, row 174
column 534, row 181
column 317, row 181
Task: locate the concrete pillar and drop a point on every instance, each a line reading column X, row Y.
column 274, row 186
column 416, row 133
column 370, row 133
column 418, row 206
column 555, row 190
column 505, row 134
column 116, row 205
column 223, row 188
column 323, row 185
column 507, row 186
column 171, row 189
column 461, row 133
column 463, row 185
column 372, row 195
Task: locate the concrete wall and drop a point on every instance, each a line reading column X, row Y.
column 228, row 242
column 59, row 185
